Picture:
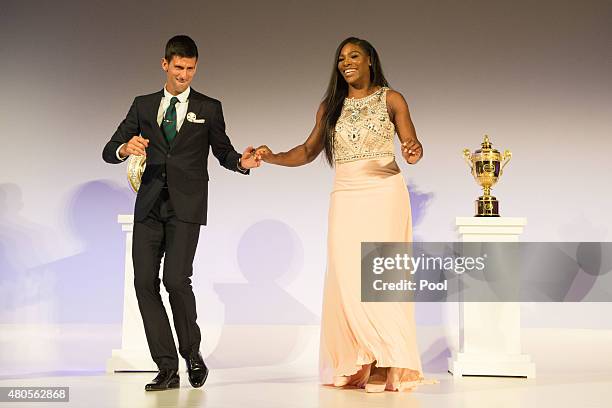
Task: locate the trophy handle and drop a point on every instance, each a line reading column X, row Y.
column 467, row 155
column 506, row 158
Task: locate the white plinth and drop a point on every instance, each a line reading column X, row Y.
column 134, row 353
column 490, row 332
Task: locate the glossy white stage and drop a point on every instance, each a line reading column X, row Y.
column 286, row 386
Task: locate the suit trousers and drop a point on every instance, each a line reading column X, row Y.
column 162, row 234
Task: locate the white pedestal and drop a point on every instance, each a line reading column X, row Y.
column 134, row 352
column 490, row 332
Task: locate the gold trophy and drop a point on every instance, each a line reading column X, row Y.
column 487, row 168
column 135, row 167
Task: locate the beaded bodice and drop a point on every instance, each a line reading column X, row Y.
column 364, row 130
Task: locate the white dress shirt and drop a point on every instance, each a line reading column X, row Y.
column 181, row 107
column 181, row 111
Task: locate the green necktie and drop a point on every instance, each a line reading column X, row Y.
column 169, row 121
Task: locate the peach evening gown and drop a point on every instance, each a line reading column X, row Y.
column 369, row 202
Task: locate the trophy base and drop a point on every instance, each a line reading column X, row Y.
column 487, row 206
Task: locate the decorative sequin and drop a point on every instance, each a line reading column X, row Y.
column 364, row 130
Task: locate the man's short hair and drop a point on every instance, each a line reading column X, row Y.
column 182, row 46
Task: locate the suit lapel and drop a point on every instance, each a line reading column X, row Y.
column 152, row 108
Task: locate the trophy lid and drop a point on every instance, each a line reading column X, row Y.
column 486, row 146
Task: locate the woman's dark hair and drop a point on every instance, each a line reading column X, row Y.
column 337, row 90
column 182, row 46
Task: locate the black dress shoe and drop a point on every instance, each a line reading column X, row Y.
column 166, row 379
column 196, row 369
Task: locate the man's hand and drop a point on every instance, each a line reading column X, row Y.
column 250, row 158
column 135, row 146
column 412, row 151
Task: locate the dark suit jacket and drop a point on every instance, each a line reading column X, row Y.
column 181, row 165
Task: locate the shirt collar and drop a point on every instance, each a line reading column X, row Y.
column 182, row 97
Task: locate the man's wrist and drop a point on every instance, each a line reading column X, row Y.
column 240, row 167
column 118, row 153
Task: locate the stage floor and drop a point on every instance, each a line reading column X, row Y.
column 278, row 386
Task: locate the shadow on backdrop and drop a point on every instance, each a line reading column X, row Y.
column 88, row 286
column 419, row 201
column 270, row 256
column 435, row 358
column 23, row 293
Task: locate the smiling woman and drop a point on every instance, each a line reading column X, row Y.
column 369, row 345
column 358, row 64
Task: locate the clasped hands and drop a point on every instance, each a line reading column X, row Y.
column 254, row 157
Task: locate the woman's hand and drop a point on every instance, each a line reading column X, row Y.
column 412, row 151
column 265, row 153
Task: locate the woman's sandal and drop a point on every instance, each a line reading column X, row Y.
column 377, row 382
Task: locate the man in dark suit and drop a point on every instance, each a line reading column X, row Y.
column 174, row 128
